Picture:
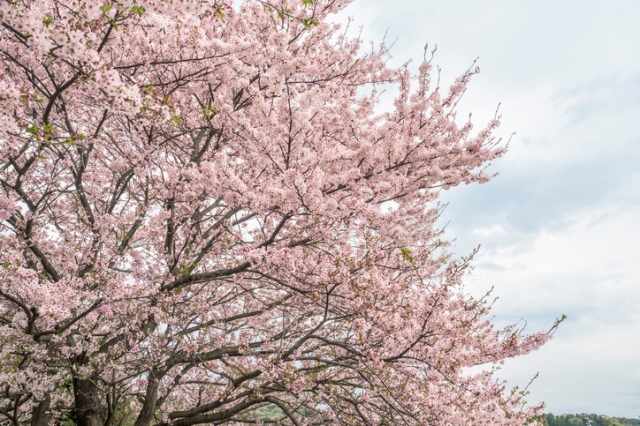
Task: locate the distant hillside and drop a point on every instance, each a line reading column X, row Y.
column 272, row 414
column 585, row 420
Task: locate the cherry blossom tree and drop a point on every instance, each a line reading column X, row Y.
column 202, row 214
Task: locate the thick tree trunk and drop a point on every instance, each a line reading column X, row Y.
column 40, row 415
column 88, row 409
column 150, row 400
column 87, row 403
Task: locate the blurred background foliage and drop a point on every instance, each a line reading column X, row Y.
column 585, row 420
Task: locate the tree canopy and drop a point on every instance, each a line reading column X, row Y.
column 202, row 214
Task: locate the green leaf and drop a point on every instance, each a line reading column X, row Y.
column 406, row 253
column 210, row 111
column 138, row 10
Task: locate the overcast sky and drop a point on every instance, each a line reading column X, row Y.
column 560, row 226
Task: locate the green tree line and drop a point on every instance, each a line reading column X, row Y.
column 585, row 420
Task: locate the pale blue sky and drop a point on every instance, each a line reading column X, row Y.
column 560, row 226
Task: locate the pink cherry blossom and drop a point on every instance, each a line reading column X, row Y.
column 203, row 214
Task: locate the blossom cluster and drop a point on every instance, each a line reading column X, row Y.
column 202, row 213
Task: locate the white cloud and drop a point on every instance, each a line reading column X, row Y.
column 590, row 268
column 560, row 227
